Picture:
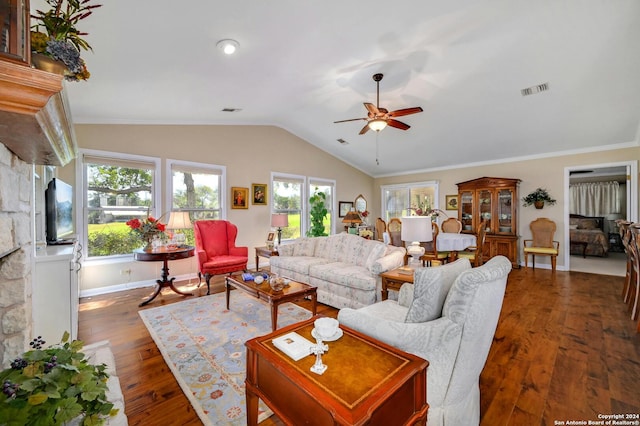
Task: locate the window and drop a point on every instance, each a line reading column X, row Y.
column 288, row 193
column 116, row 188
column 197, row 189
column 409, row 199
column 326, row 187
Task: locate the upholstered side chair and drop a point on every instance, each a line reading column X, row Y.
column 542, row 242
column 448, row 317
column 452, row 225
column 431, row 252
column 216, row 249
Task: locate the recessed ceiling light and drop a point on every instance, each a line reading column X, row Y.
column 228, row 46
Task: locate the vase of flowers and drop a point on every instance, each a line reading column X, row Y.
column 55, row 386
column 148, row 230
column 364, row 216
column 54, row 37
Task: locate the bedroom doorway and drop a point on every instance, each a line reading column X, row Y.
column 625, row 174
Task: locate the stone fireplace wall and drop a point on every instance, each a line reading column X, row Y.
column 16, row 188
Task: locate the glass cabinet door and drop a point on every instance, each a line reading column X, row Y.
column 485, row 208
column 466, row 210
column 505, row 211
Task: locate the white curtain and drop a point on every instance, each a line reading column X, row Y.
column 594, row 198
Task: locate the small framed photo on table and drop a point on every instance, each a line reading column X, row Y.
column 271, row 236
column 240, row 198
column 344, row 207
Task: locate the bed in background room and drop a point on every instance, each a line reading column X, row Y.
column 589, row 230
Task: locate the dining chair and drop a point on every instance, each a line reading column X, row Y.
column 475, row 253
column 431, row 252
column 542, row 242
column 394, row 228
column 634, row 290
column 626, row 237
column 381, row 228
column 452, row 225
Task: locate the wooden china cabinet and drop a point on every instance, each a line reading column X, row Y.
column 496, row 201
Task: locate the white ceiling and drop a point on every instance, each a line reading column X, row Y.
column 304, row 64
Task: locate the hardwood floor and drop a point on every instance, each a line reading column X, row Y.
column 565, row 349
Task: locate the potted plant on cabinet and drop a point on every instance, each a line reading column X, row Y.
column 538, row 198
column 54, row 386
column 61, row 41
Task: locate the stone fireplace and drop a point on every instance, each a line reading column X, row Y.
column 16, row 251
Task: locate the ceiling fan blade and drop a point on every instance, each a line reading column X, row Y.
column 373, row 110
column 405, row 111
column 364, row 130
column 397, row 124
column 351, row 119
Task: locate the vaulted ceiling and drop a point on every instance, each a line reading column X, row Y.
column 302, row 65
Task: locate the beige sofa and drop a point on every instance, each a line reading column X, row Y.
column 345, row 268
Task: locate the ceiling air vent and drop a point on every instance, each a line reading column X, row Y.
column 535, row 89
column 231, row 109
column 342, row 141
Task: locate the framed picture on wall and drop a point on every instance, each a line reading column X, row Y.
column 344, row 207
column 452, row 202
column 259, row 194
column 239, row 198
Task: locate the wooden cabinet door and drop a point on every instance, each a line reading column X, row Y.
column 485, row 208
column 505, row 214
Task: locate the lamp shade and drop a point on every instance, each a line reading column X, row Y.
column 416, row 228
column 279, row 220
column 179, row 220
column 352, row 217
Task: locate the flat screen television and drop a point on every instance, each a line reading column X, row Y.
column 59, row 211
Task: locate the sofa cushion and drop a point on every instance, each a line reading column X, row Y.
column 377, row 251
column 298, row 264
column 305, row 247
column 430, row 289
column 345, row 274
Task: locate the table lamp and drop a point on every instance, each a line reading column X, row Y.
column 279, row 221
column 415, row 230
column 177, row 221
column 352, row 217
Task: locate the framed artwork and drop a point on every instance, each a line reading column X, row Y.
column 259, row 191
column 344, row 207
column 239, row 198
column 452, row 202
column 271, row 236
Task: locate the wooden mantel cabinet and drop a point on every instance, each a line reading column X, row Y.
column 496, row 201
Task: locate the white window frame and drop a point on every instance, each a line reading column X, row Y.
column 81, row 183
column 204, row 167
column 315, row 181
column 408, row 187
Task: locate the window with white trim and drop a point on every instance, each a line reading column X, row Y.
column 116, row 188
column 288, row 191
column 327, row 187
column 409, row 199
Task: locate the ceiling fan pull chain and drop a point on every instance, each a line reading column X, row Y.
column 377, row 135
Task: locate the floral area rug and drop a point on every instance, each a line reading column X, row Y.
column 203, row 344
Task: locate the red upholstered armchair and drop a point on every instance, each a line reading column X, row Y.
column 216, row 249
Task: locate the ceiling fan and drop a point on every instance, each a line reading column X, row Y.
column 379, row 118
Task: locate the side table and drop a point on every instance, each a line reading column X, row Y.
column 264, row 252
column 393, row 280
column 164, row 255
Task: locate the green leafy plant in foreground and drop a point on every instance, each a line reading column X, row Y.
column 54, row 385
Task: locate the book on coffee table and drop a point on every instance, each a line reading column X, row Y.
column 294, row 345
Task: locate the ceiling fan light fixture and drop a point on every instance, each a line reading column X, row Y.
column 228, row 46
column 377, row 124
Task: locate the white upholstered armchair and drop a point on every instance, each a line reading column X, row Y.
column 448, row 317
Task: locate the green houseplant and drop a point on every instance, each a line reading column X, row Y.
column 318, row 212
column 54, row 34
column 53, row 386
column 538, row 198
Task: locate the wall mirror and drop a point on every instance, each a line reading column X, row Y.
column 360, row 203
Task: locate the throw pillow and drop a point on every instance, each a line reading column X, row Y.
column 587, row 224
column 430, row 289
column 376, row 253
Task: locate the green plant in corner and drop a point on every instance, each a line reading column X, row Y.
column 53, row 386
column 538, row 198
column 318, row 213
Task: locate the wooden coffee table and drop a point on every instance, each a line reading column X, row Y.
column 294, row 291
column 366, row 382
